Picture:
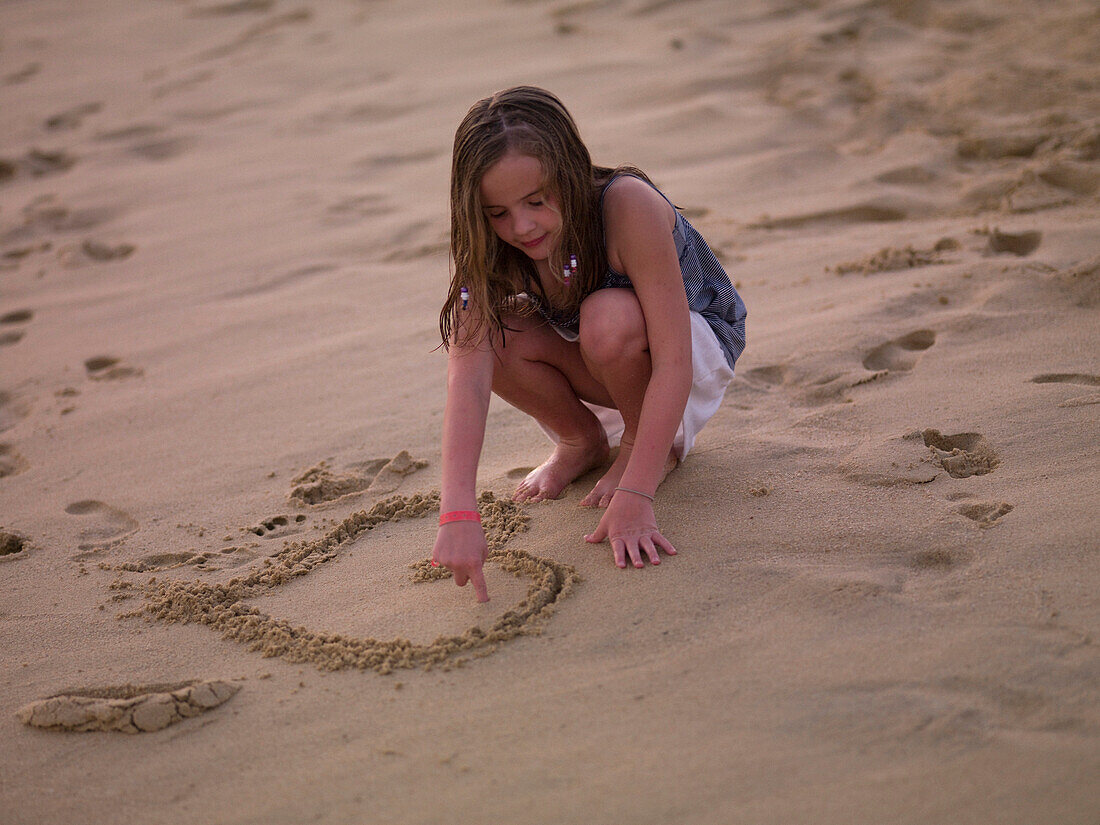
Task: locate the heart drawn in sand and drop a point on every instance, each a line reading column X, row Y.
column 223, row 607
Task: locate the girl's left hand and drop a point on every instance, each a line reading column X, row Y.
column 631, row 527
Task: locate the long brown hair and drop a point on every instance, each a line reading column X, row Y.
column 533, row 122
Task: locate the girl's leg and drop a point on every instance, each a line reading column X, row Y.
column 615, row 349
column 542, row 374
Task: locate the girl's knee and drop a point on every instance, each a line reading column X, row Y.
column 523, row 340
column 612, row 326
column 514, row 340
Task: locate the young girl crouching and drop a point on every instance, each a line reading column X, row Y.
column 581, row 296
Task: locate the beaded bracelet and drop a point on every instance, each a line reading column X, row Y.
column 459, row 515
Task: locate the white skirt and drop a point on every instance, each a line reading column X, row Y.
column 710, row 377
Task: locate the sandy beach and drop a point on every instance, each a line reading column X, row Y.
column 223, row 250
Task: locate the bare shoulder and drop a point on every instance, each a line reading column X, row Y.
column 630, row 199
column 636, row 217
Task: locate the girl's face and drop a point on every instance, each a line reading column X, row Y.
column 519, row 209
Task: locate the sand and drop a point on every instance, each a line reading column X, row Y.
column 223, row 235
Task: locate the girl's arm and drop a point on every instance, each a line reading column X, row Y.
column 460, row 545
column 638, row 224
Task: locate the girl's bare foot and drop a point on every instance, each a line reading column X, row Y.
column 568, row 461
column 605, row 488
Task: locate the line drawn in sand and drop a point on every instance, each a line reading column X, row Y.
column 223, row 608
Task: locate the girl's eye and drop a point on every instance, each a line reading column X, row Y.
column 534, row 203
column 496, row 216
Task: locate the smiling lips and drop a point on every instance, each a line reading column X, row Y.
column 534, row 243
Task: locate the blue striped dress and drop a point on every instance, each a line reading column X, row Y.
column 708, row 288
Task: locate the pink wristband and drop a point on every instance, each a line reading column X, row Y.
column 459, row 515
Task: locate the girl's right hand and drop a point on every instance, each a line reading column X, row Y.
column 460, row 547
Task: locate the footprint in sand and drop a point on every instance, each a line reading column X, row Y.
column 774, row 375
column 231, row 8
column 1081, row 282
column 900, row 354
column 104, row 526
column 816, row 380
column 145, row 140
column 1077, row 378
column 1020, row 244
column 908, row 176
column 11, row 462
column 1079, row 178
column 1000, row 147
column 109, row 368
column 160, row 150
column 376, row 476
column 20, row 316
column 883, row 211
column 278, row 526
column 11, row 258
column 90, row 251
column 126, row 708
column 11, row 411
column 937, row 558
column 156, row 561
column 959, row 713
column 72, row 118
column 962, row 455
column 262, row 32
column 12, row 545
column 1067, row 378
column 13, row 336
column 355, row 209
column 296, row 279
column 985, row 513
column 207, row 560
column 45, row 216
column 36, row 164
column 899, row 461
column 390, row 160
column 22, row 75
column 420, row 239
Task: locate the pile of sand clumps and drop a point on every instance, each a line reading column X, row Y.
column 890, row 259
column 127, row 708
column 222, row 606
column 380, row 476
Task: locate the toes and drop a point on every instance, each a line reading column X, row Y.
column 529, row 492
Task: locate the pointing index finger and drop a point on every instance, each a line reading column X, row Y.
column 478, row 579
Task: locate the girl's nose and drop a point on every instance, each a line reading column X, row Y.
column 523, row 223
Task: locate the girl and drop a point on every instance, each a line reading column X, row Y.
column 582, row 297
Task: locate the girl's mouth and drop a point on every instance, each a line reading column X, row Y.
column 534, row 243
